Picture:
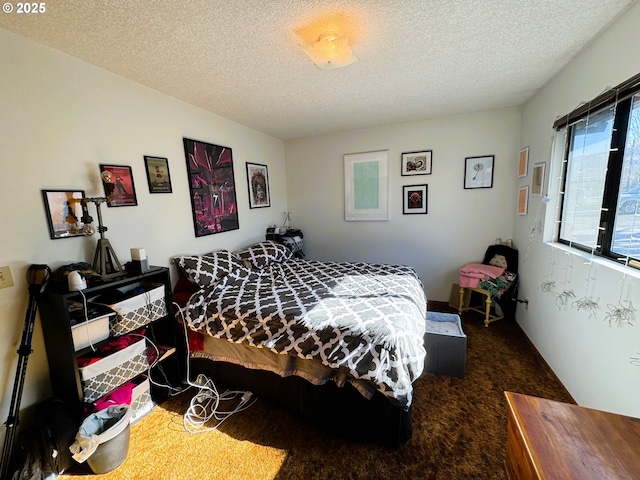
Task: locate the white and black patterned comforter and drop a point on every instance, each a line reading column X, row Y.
column 368, row 318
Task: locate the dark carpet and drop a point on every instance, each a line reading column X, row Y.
column 460, row 427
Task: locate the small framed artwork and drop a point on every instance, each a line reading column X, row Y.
column 118, row 185
column 523, row 200
column 366, row 180
column 157, row 174
column 478, row 172
column 64, row 213
column 414, row 199
column 523, row 162
column 538, row 179
column 416, row 163
column 258, row 180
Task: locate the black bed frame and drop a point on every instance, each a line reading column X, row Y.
column 340, row 410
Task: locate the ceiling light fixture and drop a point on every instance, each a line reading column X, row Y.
column 331, row 50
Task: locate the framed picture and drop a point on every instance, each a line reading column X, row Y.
column 157, row 174
column 414, row 199
column 523, row 162
column 523, row 200
column 212, row 187
column 64, row 212
column 365, row 186
column 416, row 163
column 118, row 185
column 258, row 180
column 537, row 181
column 478, row 172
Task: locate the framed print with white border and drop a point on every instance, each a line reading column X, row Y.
column 416, row 163
column 365, row 186
column 478, row 172
column 523, row 200
column 414, row 199
column 537, row 181
column 523, row 162
column 258, row 183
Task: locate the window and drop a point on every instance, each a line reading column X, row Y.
column 600, row 203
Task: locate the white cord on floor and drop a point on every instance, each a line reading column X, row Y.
column 208, row 404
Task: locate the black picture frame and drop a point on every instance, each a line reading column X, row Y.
column 158, row 175
column 416, row 163
column 119, row 187
column 478, row 171
column 258, row 185
column 415, row 199
column 63, row 209
column 211, row 187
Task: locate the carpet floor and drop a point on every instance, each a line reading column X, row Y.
column 459, row 427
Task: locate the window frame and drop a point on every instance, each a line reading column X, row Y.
column 621, row 98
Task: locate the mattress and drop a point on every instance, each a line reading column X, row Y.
column 366, row 320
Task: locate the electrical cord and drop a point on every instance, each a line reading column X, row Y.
column 86, row 319
column 208, row 403
column 172, row 390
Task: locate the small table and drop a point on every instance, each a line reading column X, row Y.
column 559, row 441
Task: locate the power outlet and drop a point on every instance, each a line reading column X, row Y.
column 526, row 304
column 5, row 277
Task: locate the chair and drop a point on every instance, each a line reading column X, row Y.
column 502, row 291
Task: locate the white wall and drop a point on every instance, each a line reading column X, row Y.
column 60, row 118
column 591, row 358
column 460, row 223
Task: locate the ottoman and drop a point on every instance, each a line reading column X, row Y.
column 446, row 344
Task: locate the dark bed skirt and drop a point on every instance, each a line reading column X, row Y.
column 340, row 410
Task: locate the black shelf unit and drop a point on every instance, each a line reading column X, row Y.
column 63, row 359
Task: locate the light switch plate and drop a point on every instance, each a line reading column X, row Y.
column 5, row 277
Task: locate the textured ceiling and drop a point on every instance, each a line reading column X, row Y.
column 240, row 59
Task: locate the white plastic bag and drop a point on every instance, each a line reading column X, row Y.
column 98, row 428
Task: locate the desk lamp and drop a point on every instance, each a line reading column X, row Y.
column 105, row 261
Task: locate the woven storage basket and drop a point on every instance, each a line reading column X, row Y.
column 141, row 399
column 138, row 310
column 108, row 373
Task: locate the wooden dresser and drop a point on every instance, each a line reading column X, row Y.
column 554, row 440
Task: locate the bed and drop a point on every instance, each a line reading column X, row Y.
column 340, row 343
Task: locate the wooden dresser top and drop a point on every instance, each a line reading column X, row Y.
column 567, row 441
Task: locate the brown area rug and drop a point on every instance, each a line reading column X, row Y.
column 459, row 426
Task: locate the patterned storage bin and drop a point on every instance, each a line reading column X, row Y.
column 144, row 304
column 108, row 373
column 141, row 399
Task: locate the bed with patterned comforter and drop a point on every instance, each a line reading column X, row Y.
column 365, row 319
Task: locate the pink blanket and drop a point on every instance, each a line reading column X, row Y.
column 472, row 273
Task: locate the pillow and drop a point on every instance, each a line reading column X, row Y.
column 183, row 289
column 261, row 255
column 208, row 269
